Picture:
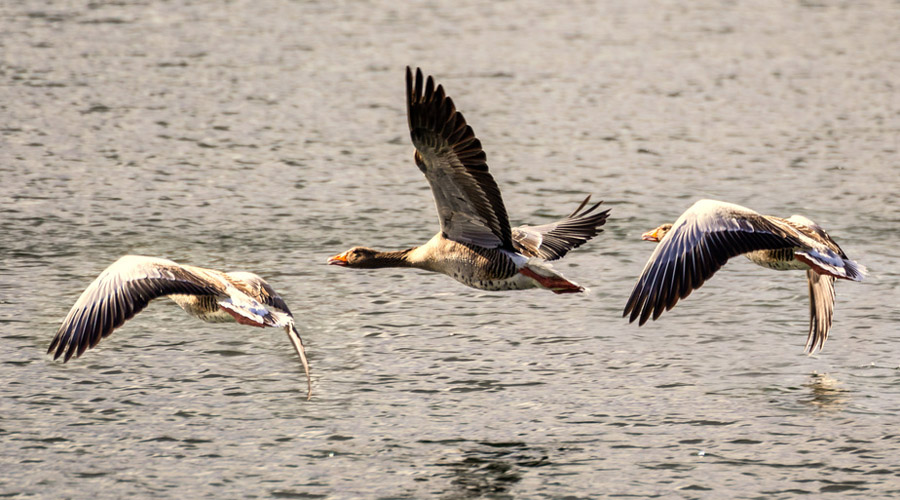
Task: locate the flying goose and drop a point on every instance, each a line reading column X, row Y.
column 709, row 233
column 475, row 245
column 127, row 286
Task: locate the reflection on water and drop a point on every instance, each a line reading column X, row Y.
column 490, row 470
column 827, row 393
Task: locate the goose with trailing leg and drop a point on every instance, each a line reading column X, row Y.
column 127, row 286
column 710, row 232
column 476, row 245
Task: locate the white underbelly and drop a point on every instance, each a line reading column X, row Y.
column 515, row 282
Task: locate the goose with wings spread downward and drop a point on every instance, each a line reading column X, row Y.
column 709, row 233
column 127, row 286
column 475, row 245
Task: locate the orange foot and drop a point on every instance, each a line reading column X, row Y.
column 816, row 266
column 556, row 284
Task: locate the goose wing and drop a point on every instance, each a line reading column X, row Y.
column 297, row 342
column 699, row 243
column 260, row 290
column 821, row 309
column 468, row 200
column 552, row 241
column 122, row 290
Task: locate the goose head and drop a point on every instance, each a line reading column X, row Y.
column 656, row 234
column 368, row 258
column 356, row 257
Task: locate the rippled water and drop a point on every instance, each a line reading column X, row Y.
column 267, row 135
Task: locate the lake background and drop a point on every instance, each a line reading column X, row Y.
column 268, row 135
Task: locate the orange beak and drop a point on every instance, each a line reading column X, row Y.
column 338, row 260
column 651, row 235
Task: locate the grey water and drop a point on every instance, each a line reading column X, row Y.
column 268, row 135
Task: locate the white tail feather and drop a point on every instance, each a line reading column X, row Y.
column 832, row 264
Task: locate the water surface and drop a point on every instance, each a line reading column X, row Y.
column 268, row 135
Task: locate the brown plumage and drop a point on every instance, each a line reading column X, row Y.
column 476, row 245
column 709, row 233
column 127, row 286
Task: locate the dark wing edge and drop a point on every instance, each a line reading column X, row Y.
column 688, row 256
column 260, row 290
column 821, row 309
column 111, row 300
column 452, row 159
column 270, row 297
column 553, row 241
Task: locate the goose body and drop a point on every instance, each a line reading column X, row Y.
column 476, row 245
column 128, row 285
column 710, row 232
column 478, row 267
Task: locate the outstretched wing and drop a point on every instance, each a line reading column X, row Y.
column 121, row 291
column 468, row 200
column 260, row 290
column 821, row 309
column 552, row 241
column 699, row 243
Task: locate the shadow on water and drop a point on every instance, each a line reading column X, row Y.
column 490, row 470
